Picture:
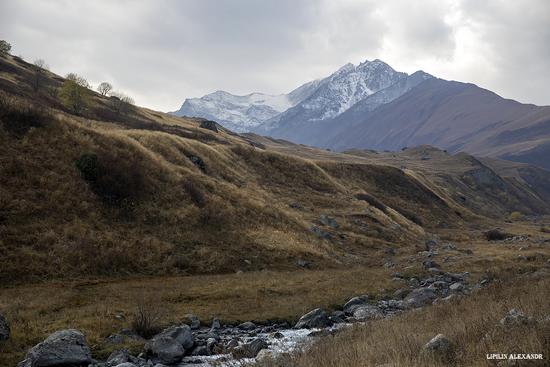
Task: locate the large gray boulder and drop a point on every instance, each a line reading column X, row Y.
column 367, row 312
column 354, row 303
column 165, row 348
column 182, row 334
column 313, row 319
column 62, row 348
column 4, row 328
column 420, row 297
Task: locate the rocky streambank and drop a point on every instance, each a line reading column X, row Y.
column 196, row 344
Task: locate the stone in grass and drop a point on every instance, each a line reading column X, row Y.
column 440, row 347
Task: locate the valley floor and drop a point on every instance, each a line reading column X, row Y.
column 102, row 307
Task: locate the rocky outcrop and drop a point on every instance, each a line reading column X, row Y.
column 62, row 348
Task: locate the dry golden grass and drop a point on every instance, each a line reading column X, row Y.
column 471, row 323
column 35, row 311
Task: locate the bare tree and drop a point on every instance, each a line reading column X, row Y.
column 41, row 64
column 39, row 78
column 104, row 88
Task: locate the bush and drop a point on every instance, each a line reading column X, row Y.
column 117, row 181
column 372, row 201
column 496, row 235
column 146, row 320
column 18, row 116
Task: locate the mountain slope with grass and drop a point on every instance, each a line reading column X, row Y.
column 109, row 194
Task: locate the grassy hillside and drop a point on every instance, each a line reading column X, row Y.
column 103, row 194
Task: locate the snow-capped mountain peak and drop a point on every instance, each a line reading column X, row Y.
column 318, row 100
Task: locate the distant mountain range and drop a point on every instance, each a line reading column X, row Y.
column 372, row 106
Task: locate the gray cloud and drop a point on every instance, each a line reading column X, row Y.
column 161, row 52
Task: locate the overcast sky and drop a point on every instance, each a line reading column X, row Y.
column 161, row 52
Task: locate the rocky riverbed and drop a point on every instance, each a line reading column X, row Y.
column 214, row 344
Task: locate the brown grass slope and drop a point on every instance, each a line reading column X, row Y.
column 471, row 324
column 173, row 198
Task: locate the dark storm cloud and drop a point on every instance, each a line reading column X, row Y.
column 164, row 51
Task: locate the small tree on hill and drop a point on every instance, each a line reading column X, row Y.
column 122, row 104
column 104, row 88
column 75, row 94
column 38, row 79
column 5, row 47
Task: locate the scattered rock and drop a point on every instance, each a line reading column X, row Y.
column 249, row 350
column 195, row 323
column 338, row 317
column 210, row 345
column 515, row 318
column 430, row 244
column 430, row 264
column 233, row 343
column 182, row 334
column 420, row 297
column 249, row 325
column 278, row 335
column 313, row 319
column 401, row 293
column 440, row 346
column 215, row 324
column 457, row 287
column 115, row 339
column 328, row 221
column 368, row 312
column 118, row 357
column 197, row 161
column 4, row 328
column 209, row 125
column 320, row 233
column 65, row 347
column 126, row 364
